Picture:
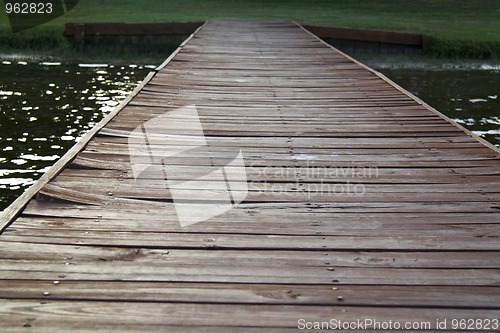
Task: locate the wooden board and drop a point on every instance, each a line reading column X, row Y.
column 89, row 248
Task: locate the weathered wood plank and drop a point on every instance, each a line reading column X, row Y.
column 208, row 273
column 347, row 224
column 347, row 295
column 117, row 316
column 474, row 240
column 19, row 251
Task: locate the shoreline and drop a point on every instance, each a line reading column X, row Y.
column 26, row 47
column 377, row 61
column 422, row 62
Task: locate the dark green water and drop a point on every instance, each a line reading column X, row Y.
column 45, row 108
column 469, row 97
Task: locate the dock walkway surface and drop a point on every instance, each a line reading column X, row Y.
column 357, row 203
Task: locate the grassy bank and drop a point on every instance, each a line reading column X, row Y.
column 460, row 28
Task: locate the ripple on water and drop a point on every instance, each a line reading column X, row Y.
column 478, row 100
column 93, row 65
column 469, row 97
column 32, row 157
column 53, row 114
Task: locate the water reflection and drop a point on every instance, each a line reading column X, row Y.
column 46, row 107
column 469, row 97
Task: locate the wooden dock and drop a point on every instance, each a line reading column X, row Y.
column 387, row 210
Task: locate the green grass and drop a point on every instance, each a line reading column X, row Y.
column 460, row 28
